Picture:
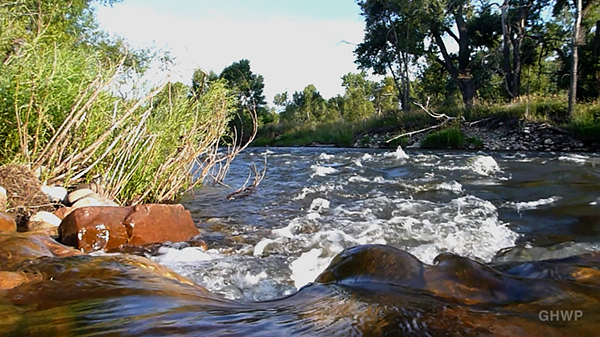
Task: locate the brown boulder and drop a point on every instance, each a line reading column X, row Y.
column 62, row 212
column 7, row 223
column 16, row 248
column 108, row 227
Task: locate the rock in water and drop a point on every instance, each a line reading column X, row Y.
column 17, row 248
column 44, row 221
column 108, row 228
column 460, row 297
column 371, row 290
column 7, row 223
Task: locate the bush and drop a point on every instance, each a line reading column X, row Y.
column 451, row 138
column 59, row 112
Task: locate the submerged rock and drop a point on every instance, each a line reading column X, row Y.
column 7, row 223
column 107, row 228
column 469, row 298
column 371, row 290
column 16, row 248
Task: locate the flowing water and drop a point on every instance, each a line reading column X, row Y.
column 314, row 202
column 348, row 242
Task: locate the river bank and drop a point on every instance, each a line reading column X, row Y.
column 495, row 135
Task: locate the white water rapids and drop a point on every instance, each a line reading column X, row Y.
column 314, row 203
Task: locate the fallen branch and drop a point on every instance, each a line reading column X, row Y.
column 430, row 113
column 418, row 131
column 481, row 120
column 246, row 190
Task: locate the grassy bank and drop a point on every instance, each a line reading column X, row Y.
column 61, row 113
column 584, row 124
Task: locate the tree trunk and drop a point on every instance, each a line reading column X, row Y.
column 575, row 60
column 462, row 74
column 506, row 67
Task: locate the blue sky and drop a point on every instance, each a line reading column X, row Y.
column 291, row 43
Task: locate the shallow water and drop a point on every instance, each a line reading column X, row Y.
column 314, row 202
column 348, row 242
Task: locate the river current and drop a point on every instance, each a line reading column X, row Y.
column 492, row 207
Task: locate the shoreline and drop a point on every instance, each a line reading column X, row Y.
column 512, row 135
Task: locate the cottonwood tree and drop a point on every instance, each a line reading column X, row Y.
column 248, row 89
column 521, row 32
column 358, row 96
column 394, row 39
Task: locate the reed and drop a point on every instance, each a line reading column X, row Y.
column 61, row 116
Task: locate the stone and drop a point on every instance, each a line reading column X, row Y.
column 62, row 212
column 87, row 201
column 548, row 141
column 44, row 221
column 16, row 248
column 55, row 193
column 9, row 279
column 93, row 199
column 78, row 194
column 7, row 223
column 2, row 199
column 108, row 227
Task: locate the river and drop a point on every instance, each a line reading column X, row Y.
column 344, row 242
column 314, row 202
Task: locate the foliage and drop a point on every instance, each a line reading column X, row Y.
column 59, row 113
column 450, row 138
column 585, row 123
column 248, row 88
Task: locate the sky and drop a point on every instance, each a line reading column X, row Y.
column 291, row 43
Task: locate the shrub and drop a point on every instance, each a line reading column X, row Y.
column 59, row 113
column 450, row 138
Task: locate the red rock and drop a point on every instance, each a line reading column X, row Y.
column 108, row 227
column 7, row 223
column 62, row 212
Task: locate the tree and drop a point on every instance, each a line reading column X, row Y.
column 281, row 99
column 358, row 96
column 394, row 40
column 522, row 27
column 583, row 16
column 385, row 96
column 201, row 80
column 309, row 105
column 248, row 89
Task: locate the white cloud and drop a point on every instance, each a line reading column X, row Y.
column 289, row 53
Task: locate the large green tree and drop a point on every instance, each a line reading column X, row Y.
column 394, row 39
column 248, row 88
column 358, row 96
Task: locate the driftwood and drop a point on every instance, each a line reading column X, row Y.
column 246, row 189
column 437, row 116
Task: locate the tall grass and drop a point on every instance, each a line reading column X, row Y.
column 60, row 115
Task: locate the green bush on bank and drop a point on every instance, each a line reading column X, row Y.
column 59, row 113
column 585, row 122
column 450, row 138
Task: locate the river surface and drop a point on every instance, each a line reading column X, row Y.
column 314, row 202
column 341, row 242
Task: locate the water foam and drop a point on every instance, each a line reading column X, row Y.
column 528, row 205
column 398, row 154
column 322, row 171
column 574, row 158
column 484, row 165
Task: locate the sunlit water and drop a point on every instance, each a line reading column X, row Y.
column 314, row 202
